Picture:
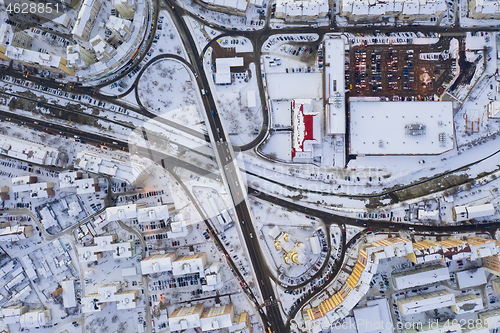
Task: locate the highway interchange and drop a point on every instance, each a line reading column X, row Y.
column 223, row 149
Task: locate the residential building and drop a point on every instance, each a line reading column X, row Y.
column 340, row 304
column 68, row 292
column 425, row 251
column 86, row 18
column 120, row 213
column 121, row 29
column 425, row 302
column 214, row 276
column 38, row 60
column 4, row 193
column 471, row 278
column 20, row 39
column 158, row 263
column 495, row 284
column 36, row 190
column 178, row 227
column 185, row 317
column 35, row 319
column 484, row 9
column 103, row 51
column 15, row 233
column 301, row 10
column 126, row 8
column 217, row 318
column 155, row 213
column 69, row 178
column 241, row 324
column 78, row 58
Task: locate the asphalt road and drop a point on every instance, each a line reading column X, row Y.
column 224, row 152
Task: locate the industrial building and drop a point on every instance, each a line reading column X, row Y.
column 463, row 213
column 158, row 263
column 484, row 9
column 131, row 172
column 30, row 152
column 69, row 295
column 357, row 284
column 335, row 113
column 400, row 128
column 185, row 317
column 15, row 233
column 420, row 277
column 106, row 244
column 217, row 318
column 110, row 293
column 85, row 20
column 223, row 69
column 306, row 138
column 193, row 263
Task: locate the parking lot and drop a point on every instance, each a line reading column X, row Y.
column 395, row 71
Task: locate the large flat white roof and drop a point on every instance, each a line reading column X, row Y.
column 401, row 128
column 334, row 85
column 368, row 318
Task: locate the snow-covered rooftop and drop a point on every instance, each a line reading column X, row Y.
column 376, row 312
column 129, row 172
column 471, row 278
column 334, row 85
column 152, row 213
column 401, row 128
column 223, row 67
column 421, row 277
column 306, row 128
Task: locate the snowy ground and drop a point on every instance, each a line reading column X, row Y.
column 202, row 34
column 278, row 146
column 167, row 41
column 242, row 122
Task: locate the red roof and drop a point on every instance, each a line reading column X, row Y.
column 308, row 127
